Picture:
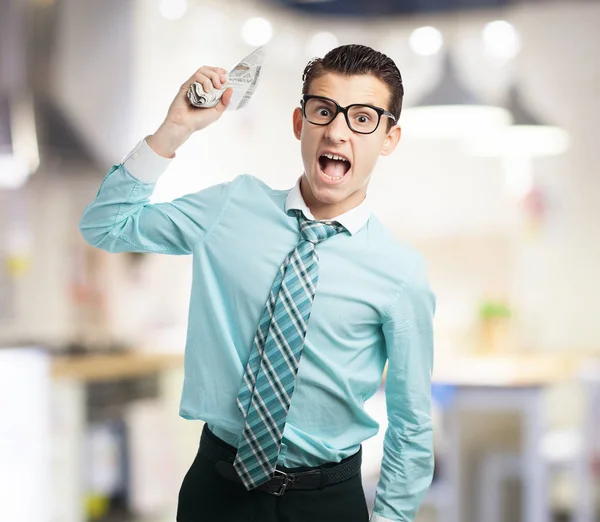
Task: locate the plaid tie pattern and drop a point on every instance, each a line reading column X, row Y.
column 270, row 376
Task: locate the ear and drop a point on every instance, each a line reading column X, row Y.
column 298, row 120
column 391, row 140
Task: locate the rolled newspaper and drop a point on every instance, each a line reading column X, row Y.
column 242, row 79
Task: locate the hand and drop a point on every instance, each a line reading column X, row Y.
column 183, row 119
column 193, row 118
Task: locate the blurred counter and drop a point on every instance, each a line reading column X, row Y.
column 479, row 370
column 510, row 370
column 107, row 367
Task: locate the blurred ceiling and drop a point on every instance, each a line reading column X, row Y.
column 366, row 8
column 28, row 30
column 27, row 35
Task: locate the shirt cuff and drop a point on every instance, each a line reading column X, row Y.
column 378, row 518
column 144, row 164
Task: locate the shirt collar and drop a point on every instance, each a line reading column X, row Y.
column 352, row 220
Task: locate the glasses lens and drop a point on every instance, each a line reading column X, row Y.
column 319, row 111
column 363, row 118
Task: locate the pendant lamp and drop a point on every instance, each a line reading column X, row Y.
column 451, row 111
column 527, row 136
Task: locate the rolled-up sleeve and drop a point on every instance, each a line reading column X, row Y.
column 121, row 218
column 407, row 465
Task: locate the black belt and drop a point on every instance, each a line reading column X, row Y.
column 223, row 455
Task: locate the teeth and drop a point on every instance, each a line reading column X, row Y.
column 334, row 157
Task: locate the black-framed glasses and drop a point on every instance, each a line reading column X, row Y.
column 362, row 119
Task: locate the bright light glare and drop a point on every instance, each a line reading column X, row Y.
column 13, row 173
column 321, row 43
column 426, row 41
column 452, row 121
column 521, row 140
column 501, row 40
column 173, row 9
column 257, row 31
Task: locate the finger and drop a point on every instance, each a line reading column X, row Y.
column 196, row 77
column 225, row 100
column 219, row 70
column 214, row 76
column 203, row 80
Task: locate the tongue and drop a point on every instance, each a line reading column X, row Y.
column 334, row 168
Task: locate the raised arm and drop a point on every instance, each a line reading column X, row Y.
column 121, row 217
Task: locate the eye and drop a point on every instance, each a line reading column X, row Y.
column 363, row 118
column 323, row 111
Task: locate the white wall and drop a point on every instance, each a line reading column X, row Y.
column 39, row 310
column 557, row 277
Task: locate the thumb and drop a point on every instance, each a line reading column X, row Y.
column 225, row 100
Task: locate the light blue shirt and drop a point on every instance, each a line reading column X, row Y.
column 373, row 304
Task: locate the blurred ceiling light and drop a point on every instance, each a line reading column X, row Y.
column 13, row 173
column 321, row 43
column 426, row 41
column 519, row 143
column 450, row 111
column 501, row 40
column 19, row 155
column 173, row 9
column 527, row 136
column 257, row 31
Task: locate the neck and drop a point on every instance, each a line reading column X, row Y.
column 322, row 210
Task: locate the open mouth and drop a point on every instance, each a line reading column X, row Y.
column 333, row 166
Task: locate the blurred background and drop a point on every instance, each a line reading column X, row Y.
column 496, row 181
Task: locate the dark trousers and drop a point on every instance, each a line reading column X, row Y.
column 206, row 496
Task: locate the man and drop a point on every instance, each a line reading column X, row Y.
column 283, row 396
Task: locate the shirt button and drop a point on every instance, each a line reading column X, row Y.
column 136, row 155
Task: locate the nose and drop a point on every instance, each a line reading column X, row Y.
column 338, row 131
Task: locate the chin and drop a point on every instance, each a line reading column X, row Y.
column 328, row 193
column 327, row 197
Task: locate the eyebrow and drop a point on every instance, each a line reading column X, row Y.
column 374, row 104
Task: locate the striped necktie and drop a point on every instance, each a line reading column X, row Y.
column 269, row 380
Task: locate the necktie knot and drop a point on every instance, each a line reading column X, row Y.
column 317, row 231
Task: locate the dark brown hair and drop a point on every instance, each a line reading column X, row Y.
column 350, row 60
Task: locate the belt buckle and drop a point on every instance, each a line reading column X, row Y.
column 286, row 481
